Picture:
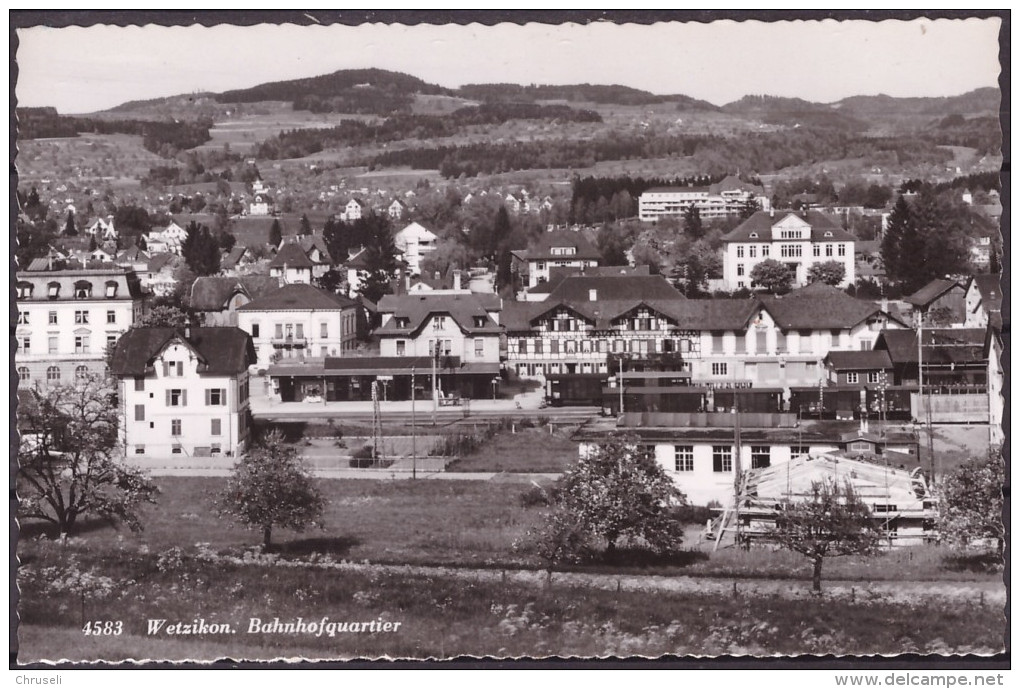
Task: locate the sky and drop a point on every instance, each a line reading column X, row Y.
column 85, row 69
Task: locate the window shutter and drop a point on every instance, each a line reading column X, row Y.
column 168, row 398
column 223, row 396
column 166, row 369
column 184, row 398
column 208, row 397
column 180, row 368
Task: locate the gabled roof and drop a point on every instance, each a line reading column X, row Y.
column 859, row 360
column 418, row 229
column 818, row 306
column 221, row 351
column 577, row 288
column 761, row 223
column 133, row 254
column 358, row 261
column 942, row 346
column 159, row 261
column 558, row 274
column 932, row 291
column 418, row 308
column 298, row 297
column 989, row 286
column 232, row 258
column 542, row 249
column 314, row 241
column 211, row 293
column 291, row 255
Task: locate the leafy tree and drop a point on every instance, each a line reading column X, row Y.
column 70, row 465
column 275, row 233
column 971, row 502
column 693, row 226
column 226, row 241
column 749, row 207
column 330, row 281
column 832, row 521
column 69, row 229
column 92, row 244
column 611, row 246
column 380, row 257
column 617, row 492
column 449, row 253
column 164, row 316
column 829, row 272
column 270, row 488
column 306, row 225
column 772, row 276
column 33, row 198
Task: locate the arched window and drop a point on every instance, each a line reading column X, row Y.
column 24, row 373
column 82, row 289
column 81, row 372
column 53, row 374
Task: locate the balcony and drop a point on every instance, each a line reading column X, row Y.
column 290, row 341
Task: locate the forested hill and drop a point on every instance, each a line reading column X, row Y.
column 983, row 101
column 778, row 110
column 587, row 93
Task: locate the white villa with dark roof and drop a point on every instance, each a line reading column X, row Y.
column 299, row 321
column 798, row 240
column 415, row 242
column 183, row 392
column 554, row 250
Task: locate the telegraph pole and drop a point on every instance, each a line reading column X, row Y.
column 414, row 433
column 435, row 388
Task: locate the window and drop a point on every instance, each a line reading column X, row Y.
column 816, row 250
column 447, row 347
column 173, row 369
column 722, row 459
column 683, row 458
column 176, row 398
column 51, row 343
column 765, row 251
column 480, row 321
column 176, row 449
column 215, row 427
column 53, row 374
column 740, row 250
column 111, row 289
column 24, row 373
column 873, row 377
column 841, row 249
column 254, row 329
column 53, row 290
column 81, row 344
column 401, row 347
column 324, row 329
column 139, row 384
column 740, row 269
column 53, row 318
column 522, row 346
column 81, row 317
column 866, row 345
column 111, row 316
column 791, row 250
column 439, row 323
column 752, row 251
column 717, row 342
column 554, row 346
column 175, row 427
column 760, row 456
column 480, row 346
column 299, row 331
column 81, row 372
column 719, row 369
column 798, row 450
column 24, row 290
column 215, row 397
column 83, row 289
column 852, row 378
column 139, row 412
column 111, row 340
column 22, row 317
column 139, row 449
column 279, row 331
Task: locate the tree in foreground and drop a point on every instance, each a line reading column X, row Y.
column 772, row 276
column 270, row 487
column 971, row 503
column 829, row 272
column 616, row 493
column 69, row 463
column 832, row 521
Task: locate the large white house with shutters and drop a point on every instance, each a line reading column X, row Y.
column 184, row 392
column 67, row 319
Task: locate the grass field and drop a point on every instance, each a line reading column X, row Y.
column 528, row 450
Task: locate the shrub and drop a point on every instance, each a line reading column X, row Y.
column 535, row 496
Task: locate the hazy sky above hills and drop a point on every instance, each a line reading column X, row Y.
column 80, row 70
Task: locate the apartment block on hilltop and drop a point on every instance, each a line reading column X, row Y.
column 724, row 198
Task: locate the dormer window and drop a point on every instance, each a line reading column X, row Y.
column 83, row 289
column 827, row 233
column 753, row 235
column 402, row 322
column 111, row 289
column 479, row 321
column 53, row 290
column 25, row 290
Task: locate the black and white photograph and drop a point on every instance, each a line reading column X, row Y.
column 507, row 337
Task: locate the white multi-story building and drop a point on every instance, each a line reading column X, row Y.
column 415, row 242
column 354, row 210
column 726, row 197
column 184, row 391
column 299, row 321
column 797, row 240
column 562, row 249
column 68, row 318
column 460, row 325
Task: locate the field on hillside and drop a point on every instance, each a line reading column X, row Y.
column 84, row 160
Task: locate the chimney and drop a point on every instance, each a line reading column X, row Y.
column 772, row 212
column 456, row 279
column 187, row 329
column 407, row 282
column 593, row 295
